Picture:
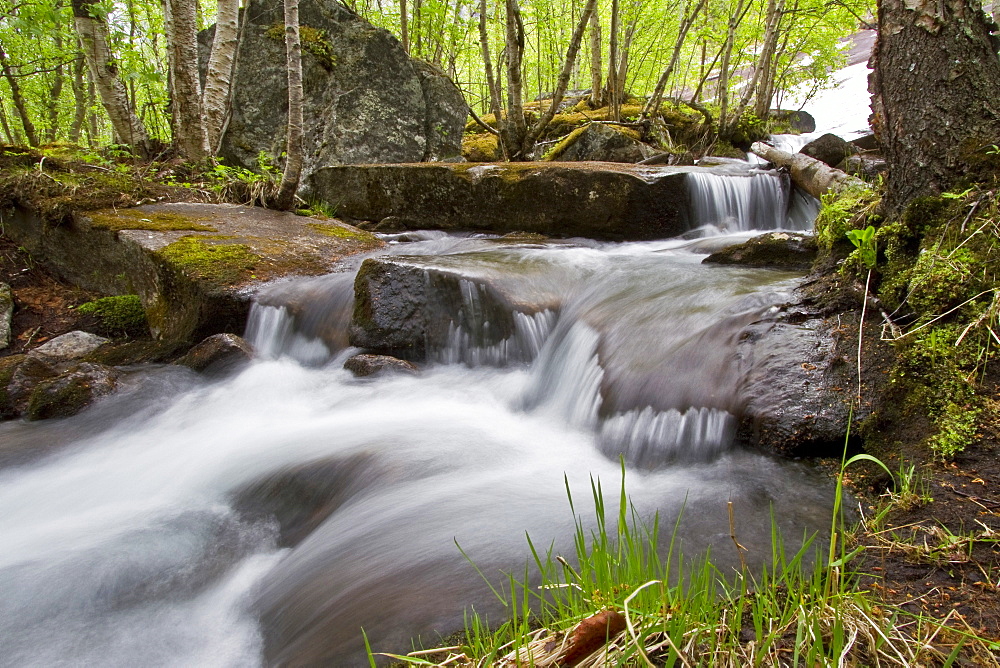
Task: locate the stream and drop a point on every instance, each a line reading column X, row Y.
column 267, row 517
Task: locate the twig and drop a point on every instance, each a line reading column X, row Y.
column 732, row 534
column 484, row 124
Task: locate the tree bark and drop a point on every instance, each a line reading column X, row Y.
column 496, row 102
column 595, row 61
column 614, row 103
column 219, row 74
column 293, row 149
column 653, row 105
column 513, row 128
column 79, row 86
column 935, row 94
column 182, row 41
column 104, row 72
column 18, row 99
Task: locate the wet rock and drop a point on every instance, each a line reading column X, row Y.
column 8, row 365
column 863, row 166
column 366, row 100
column 829, row 149
column 796, row 388
column 300, row 498
column 69, row 346
column 71, row 391
column 778, row 250
column 866, row 142
column 370, row 365
column 601, row 201
column 218, row 354
column 25, row 378
column 606, row 143
column 6, row 314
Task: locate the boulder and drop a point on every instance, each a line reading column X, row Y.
column 602, row 142
column 8, row 366
column 778, row 250
column 219, row 353
column 6, row 314
column 71, row 391
column 366, row 100
column 866, row 142
column 864, row 166
column 829, row 149
column 369, row 365
column 597, row 200
column 27, row 375
column 797, row 120
column 69, row 346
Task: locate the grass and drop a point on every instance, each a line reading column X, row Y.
column 629, row 599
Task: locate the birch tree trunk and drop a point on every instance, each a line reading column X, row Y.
column 18, row 99
column 219, row 74
column 293, row 149
column 104, row 74
column 190, row 136
column 654, row 101
column 596, row 61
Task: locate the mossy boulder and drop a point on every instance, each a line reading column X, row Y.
column 778, row 250
column 120, row 315
column 366, row 100
column 218, row 354
column 601, row 201
column 8, row 365
column 71, row 391
column 598, row 141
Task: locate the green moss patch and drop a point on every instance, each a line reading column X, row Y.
column 313, row 40
column 133, row 219
column 212, row 258
column 121, row 315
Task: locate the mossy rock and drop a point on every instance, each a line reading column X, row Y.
column 8, row 365
column 138, row 219
column 121, row 315
column 214, row 258
column 481, row 147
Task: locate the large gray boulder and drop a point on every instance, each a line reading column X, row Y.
column 366, row 100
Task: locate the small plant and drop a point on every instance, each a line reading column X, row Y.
column 864, row 241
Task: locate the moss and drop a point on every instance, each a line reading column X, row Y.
column 133, row 219
column 212, row 258
column 851, row 209
column 313, row 40
column 121, row 315
column 481, row 147
column 8, row 365
column 567, row 141
column 344, row 232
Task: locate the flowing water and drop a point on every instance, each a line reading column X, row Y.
column 265, row 518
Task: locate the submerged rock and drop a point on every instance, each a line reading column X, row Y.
column 366, row 101
column 369, row 365
column 217, row 354
column 71, row 391
column 779, row 250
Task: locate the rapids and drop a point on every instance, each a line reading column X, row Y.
column 144, row 531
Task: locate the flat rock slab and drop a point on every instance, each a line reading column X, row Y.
column 195, row 266
column 599, row 200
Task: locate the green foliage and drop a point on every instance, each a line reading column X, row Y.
column 312, row 40
column 245, row 186
column 864, row 241
column 956, row 429
column 121, row 315
column 850, row 209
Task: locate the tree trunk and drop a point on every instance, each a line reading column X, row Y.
column 55, row 91
column 79, row 100
column 727, row 53
column 653, row 105
column 595, row 61
column 18, row 99
column 218, row 78
column 293, row 149
column 943, row 50
column 404, row 27
column 94, row 40
column 182, row 41
column 12, row 138
column 513, row 127
column 496, row 102
column 815, row 177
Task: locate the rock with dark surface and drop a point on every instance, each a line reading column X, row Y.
column 596, row 200
column 599, row 141
column 778, row 250
column 8, row 365
column 71, row 391
column 829, row 149
column 866, row 142
column 369, row 365
column 6, row 314
column 864, row 166
column 797, row 120
column 24, row 378
column 796, row 388
column 218, row 354
column 366, row 101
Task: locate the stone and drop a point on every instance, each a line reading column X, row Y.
column 369, row 365
column 6, row 314
column 797, row 120
column 71, row 391
column 8, row 366
column 366, row 100
column 217, row 354
column 866, row 142
column 69, row 346
column 25, row 378
column 864, row 166
column 829, row 149
column 609, row 201
column 602, row 142
column 777, row 250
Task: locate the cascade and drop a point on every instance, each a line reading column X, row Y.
column 143, row 535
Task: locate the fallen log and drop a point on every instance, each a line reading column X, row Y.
column 813, row 176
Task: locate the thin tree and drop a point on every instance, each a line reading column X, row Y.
column 653, row 104
column 18, row 98
column 190, row 135
column 219, row 72
column 293, row 149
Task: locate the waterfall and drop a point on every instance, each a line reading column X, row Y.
column 266, row 518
